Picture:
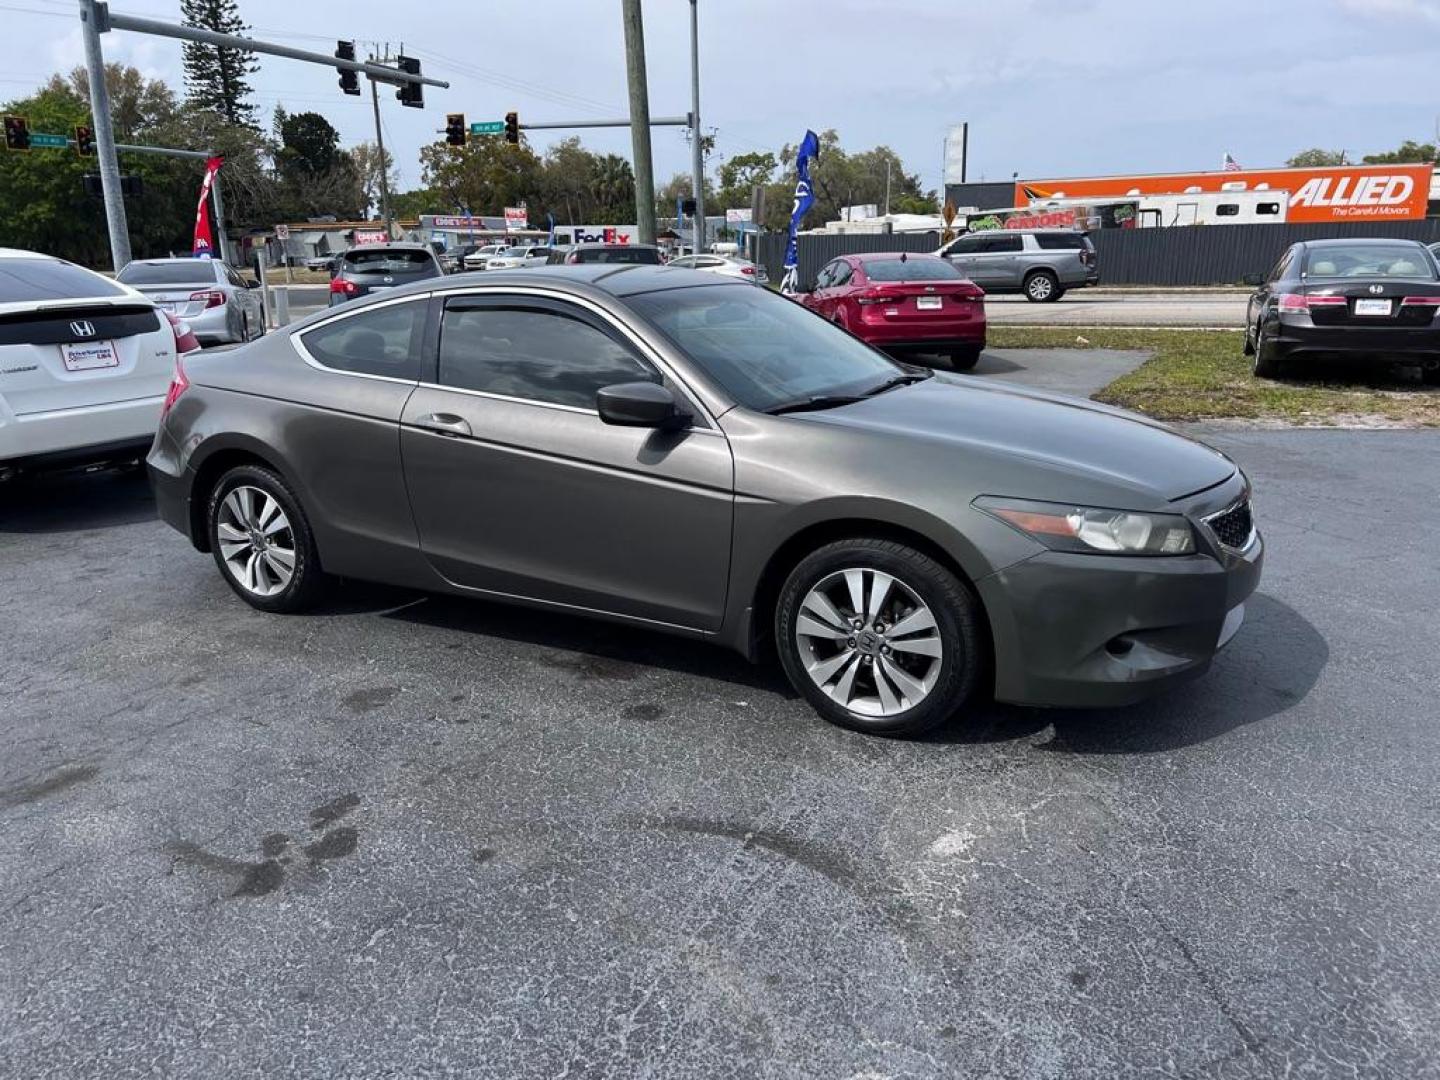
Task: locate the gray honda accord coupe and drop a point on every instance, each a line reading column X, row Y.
column 661, row 448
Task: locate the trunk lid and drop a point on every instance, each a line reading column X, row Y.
column 920, row 301
column 82, row 353
column 1373, row 302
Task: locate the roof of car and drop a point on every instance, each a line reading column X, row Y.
column 596, row 246
column 1360, row 242
column 870, row 256
column 21, row 253
column 396, row 245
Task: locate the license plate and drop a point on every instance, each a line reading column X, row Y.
column 1372, row 307
column 927, row 302
column 89, row 355
column 167, row 305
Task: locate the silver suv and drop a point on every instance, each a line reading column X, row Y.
column 1042, row 263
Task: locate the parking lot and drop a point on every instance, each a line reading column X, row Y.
column 415, row 835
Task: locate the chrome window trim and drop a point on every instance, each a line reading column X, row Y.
column 647, row 352
column 297, row 339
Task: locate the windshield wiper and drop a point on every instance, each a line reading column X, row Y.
column 899, row 380
column 819, row 401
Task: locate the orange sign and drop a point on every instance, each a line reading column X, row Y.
column 1342, row 193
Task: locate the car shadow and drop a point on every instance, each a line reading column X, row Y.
column 602, row 641
column 75, row 501
column 1271, row 666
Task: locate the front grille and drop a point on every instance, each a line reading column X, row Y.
column 1233, row 527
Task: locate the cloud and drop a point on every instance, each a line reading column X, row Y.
column 1422, row 10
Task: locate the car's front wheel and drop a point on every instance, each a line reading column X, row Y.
column 878, row 636
column 261, row 540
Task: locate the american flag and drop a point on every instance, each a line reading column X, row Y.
column 1230, row 164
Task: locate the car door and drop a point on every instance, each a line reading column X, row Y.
column 815, row 298
column 246, row 299
column 518, row 488
column 996, row 261
column 961, row 254
column 1255, row 307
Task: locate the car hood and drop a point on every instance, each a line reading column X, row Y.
column 1069, row 434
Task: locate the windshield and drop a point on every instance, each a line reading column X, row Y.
column 180, row 272
column 915, row 268
column 23, row 280
column 1369, row 260
column 389, row 261
column 763, row 349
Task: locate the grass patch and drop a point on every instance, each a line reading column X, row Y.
column 1202, row 375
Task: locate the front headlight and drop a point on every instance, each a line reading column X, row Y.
column 1064, row 527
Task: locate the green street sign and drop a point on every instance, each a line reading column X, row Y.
column 36, row 139
column 490, row 127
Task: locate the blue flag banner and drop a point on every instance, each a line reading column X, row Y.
column 804, row 197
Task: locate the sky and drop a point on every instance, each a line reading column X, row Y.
column 1050, row 88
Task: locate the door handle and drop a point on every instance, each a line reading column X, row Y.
column 444, row 424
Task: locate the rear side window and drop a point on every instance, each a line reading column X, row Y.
column 23, row 280
column 179, row 272
column 537, row 354
column 920, row 268
column 379, row 341
column 1063, row 242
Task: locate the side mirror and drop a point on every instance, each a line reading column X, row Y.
column 1252, row 279
column 640, row 404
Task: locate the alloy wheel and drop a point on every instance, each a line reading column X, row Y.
column 257, row 542
column 869, row 642
column 1040, row 287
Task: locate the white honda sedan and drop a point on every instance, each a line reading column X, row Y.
column 85, row 364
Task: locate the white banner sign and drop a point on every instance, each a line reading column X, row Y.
column 736, row 217
column 516, row 218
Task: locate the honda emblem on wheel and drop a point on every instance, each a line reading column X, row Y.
column 82, row 328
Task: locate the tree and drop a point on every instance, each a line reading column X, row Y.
column 369, row 166
column 485, row 175
column 1410, row 152
column 218, row 79
column 741, row 173
column 309, row 145
column 1316, row 158
column 136, row 103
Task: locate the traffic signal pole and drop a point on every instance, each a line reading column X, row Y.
column 106, row 162
column 698, row 167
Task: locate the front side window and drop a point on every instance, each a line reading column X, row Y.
column 376, row 341
column 547, row 353
column 762, row 348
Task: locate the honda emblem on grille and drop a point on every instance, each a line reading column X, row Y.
column 1377, row 288
column 82, row 328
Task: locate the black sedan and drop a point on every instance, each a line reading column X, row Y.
column 1372, row 300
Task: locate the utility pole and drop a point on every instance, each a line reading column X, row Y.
column 698, row 164
column 639, row 120
column 887, row 187
column 380, row 146
column 106, row 162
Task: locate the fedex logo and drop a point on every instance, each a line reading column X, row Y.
column 602, row 236
column 1354, row 191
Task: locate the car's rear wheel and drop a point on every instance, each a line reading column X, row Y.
column 1042, row 287
column 966, row 358
column 262, row 541
column 1266, row 363
column 879, row 637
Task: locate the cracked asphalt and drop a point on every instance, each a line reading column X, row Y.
column 412, row 836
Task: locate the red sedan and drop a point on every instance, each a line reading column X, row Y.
column 902, row 301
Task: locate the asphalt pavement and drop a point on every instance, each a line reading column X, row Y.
column 414, row 836
column 1212, row 308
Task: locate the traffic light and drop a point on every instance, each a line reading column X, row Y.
column 349, row 80
column 410, row 93
column 455, row 128
column 512, row 127
column 17, row 133
column 84, row 140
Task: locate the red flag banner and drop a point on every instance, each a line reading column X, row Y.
column 204, row 246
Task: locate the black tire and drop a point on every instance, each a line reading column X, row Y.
column 1248, row 348
column 1266, row 364
column 966, row 358
column 1430, row 376
column 307, row 580
column 953, row 606
column 1042, row 287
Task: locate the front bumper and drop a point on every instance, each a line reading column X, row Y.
column 1075, row 630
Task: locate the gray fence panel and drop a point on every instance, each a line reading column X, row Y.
column 1186, row 255
column 816, row 251
column 1223, row 254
